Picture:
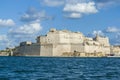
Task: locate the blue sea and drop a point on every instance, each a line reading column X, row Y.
column 51, row 68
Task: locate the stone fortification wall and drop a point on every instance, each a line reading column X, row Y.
column 58, row 49
column 96, row 49
column 55, row 43
column 92, row 46
column 70, row 37
column 46, row 50
column 28, row 50
column 61, row 37
column 92, row 49
column 104, row 41
column 77, row 48
column 106, row 49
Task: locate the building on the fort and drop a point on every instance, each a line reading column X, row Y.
column 65, row 43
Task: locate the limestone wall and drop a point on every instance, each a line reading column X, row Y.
column 92, row 49
column 70, row 37
column 77, row 48
column 59, row 49
column 53, row 37
column 46, row 50
column 61, row 37
column 28, row 50
column 41, row 39
column 106, row 49
column 104, row 41
column 96, row 49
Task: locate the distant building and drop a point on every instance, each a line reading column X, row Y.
column 64, row 43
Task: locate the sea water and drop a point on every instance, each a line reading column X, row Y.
column 51, row 68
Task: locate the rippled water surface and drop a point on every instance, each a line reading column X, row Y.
column 40, row 68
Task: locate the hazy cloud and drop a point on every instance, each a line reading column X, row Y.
column 6, row 22
column 53, row 3
column 112, row 30
column 5, row 42
column 105, row 3
column 3, row 37
column 32, row 15
column 73, row 15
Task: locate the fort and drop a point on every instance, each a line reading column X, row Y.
column 65, row 43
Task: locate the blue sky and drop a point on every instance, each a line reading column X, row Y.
column 22, row 20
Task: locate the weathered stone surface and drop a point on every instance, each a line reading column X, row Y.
column 65, row 43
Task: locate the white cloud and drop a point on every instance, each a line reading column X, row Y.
column 53, row 3
column 81, row 8
column 86, row 8
column 112, row 30
column 31, row 28
column 6, row 22
column 27, row 32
